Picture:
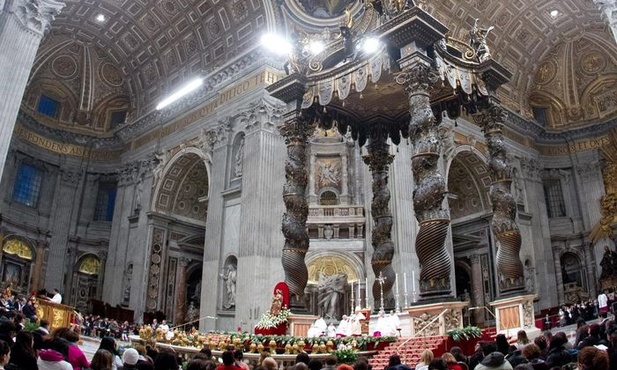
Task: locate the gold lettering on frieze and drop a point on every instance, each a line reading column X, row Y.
column 64, row 148
column 260, row 80
column 577, row 146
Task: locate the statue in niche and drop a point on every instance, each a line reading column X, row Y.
column 128, row 276
column 608, row 263
column 139, row 189
column 238, row 159
column 331, row 289
column 197, row 292
column 230, row 286
column 192, row 314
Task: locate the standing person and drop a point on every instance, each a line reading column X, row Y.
column 425, row 359
column 57, row 297
column 603, row 304
column 109, row 344
column 23, row 355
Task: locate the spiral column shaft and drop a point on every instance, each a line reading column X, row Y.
column 435, row 262
column 296, row 131
column 503, row 224
column 379, row 160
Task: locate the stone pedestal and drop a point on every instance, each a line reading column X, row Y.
column 299, row 325
column 435, row 318
column 515, row 313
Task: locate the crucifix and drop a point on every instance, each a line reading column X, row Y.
column 381, row 279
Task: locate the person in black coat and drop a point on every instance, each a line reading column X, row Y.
column 23, row 355
column 558, row 355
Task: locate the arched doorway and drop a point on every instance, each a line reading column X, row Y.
column 573, row 278
column 468, row 185
column 181, row 205
column 85, row 281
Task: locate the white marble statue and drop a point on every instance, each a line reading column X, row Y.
column 331, row 289
column 230, row 286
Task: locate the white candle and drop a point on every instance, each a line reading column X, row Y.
column 359, row 295
column 365, row 292
column 352, row 291
column 405, row 282
column 413, row 281
column 396, row 278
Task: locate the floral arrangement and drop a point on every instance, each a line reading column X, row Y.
column 268, row 320
column 465, row 333
column 345, row 354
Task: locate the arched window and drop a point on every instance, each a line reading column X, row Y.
column 328, row 198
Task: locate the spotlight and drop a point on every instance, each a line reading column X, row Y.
column 316, row 47
column 184, row 90
column 371, row 45
column 276, row 44
column 101, row 18
column 554, row 13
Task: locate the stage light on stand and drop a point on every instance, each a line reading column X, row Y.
column 186, row 89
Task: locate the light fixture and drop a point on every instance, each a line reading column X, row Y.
column 101, row 18
column 554, row 13
column 316, row 47
column 276, row 44
column 371, row 45
column 184, row 90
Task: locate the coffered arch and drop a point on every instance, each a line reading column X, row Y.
column 468, row 182
column 184, row 187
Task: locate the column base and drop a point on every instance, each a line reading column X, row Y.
column 516, row 313
column 423, row 321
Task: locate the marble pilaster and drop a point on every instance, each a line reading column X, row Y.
column 477, row 288
column 259, row 258
column 181, row 306
column 38, row 266
column 67, row 185
column 214, row 232
column 22, row 26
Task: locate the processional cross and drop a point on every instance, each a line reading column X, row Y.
column 381, row 279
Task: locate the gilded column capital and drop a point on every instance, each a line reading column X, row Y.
column 418, row 78
column 36, row 15
column 491, row 118
column 184, row 261
column 474, row 259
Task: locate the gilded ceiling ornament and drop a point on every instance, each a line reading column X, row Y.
column 325, row 8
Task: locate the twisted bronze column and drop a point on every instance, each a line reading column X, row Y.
column 296, row 132
column 379, row 160
column 503, row 224
column 430, row 187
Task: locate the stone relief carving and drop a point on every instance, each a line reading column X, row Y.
column 452, row 319
column 331, row 289
column 71, row 177
column 328, row 172
column 531, row 168
column 264, row 114
column 127, row 278
column 422, row 321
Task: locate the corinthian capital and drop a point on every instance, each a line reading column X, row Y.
column 36, row 15
column 491, row 118
column 421, row 77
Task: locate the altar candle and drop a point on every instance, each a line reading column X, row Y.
column 365, row 292
column 396, row 278
column 359, row 295
column 413, row 281
column 405, row 282
column 352, row 291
